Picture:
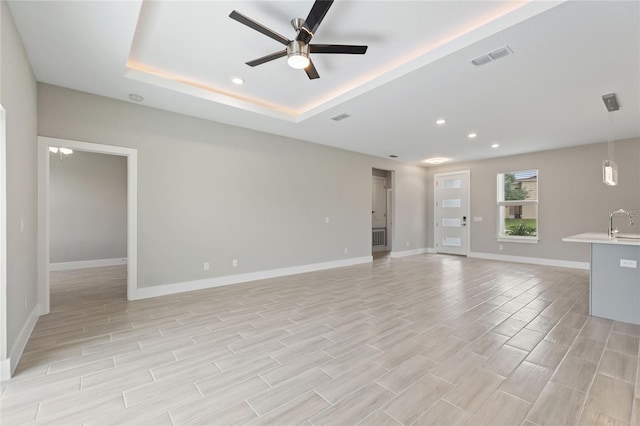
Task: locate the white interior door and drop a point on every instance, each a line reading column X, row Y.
column 452, row 212
column 378, row 203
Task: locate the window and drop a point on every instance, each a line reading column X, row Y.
column 518, row 206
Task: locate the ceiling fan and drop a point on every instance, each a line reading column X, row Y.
column 297, row 50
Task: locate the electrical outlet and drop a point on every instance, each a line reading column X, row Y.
column 205, row 266
column 627, row 263
column 500, row 247
column 21, row 225
column 235, row 263
column 407, row 243
column 346, row 250
column 326, row 219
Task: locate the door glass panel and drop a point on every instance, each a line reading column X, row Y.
column 452, row 203
column 452, row 183
column 451, row 241
column 451, row 221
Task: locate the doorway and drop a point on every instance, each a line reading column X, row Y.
column 381, row 211
column 451, row 212
column 44, row 203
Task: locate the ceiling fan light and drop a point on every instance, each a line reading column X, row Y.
column 298, row 60
column 298, row 55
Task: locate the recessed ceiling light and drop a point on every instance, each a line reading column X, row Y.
column 495, row 145
column 237, row 80
column 435, row 160
column 472, row 135
column 440, row 121
column 135, row 98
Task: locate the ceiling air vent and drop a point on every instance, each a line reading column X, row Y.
column 492, row 56
column 340, row 117
column 481, row 60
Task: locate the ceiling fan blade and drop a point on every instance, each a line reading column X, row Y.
column 258, row 27
column 338, row 48
column 311, row 24
column 311, row 71
column 267, row 58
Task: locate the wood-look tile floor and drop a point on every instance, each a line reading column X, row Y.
column 422, row 340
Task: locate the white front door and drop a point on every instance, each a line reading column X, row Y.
column 452, row 212
column 378, row 203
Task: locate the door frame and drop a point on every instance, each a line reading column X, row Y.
column 389, row 195
column 43, row 211
column 468, row 202
column 5, row 372
column 386, row 207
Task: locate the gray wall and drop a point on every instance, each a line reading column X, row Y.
column 18, row 96
column 209, row 192
column 572, row 197
column 88, row 207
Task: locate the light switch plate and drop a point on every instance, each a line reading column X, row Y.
column 477, row 218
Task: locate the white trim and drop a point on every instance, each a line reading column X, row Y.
column 518, row 202
column 405, row 253
column 163, row 290
column 8, row 366
column 525, row 240
column 5, row 369
column 3, row 247
column 82, row 264
column 532, row 260
column 389, row 195
column 468, row 201
column 43, row 210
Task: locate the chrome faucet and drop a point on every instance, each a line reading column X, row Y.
column 613, row 232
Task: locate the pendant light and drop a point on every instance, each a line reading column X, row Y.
column 609, row 166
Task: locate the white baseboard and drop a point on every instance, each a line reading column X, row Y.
column 396, row 254
column 8, row 366
column 5, row 369
column 63, row 266
column 163, row 290
column 532, row 260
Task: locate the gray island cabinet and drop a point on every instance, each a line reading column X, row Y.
column 614, row 285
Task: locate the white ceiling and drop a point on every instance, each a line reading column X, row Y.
column 181, row 55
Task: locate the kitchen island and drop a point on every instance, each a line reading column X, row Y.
column 614, row 283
